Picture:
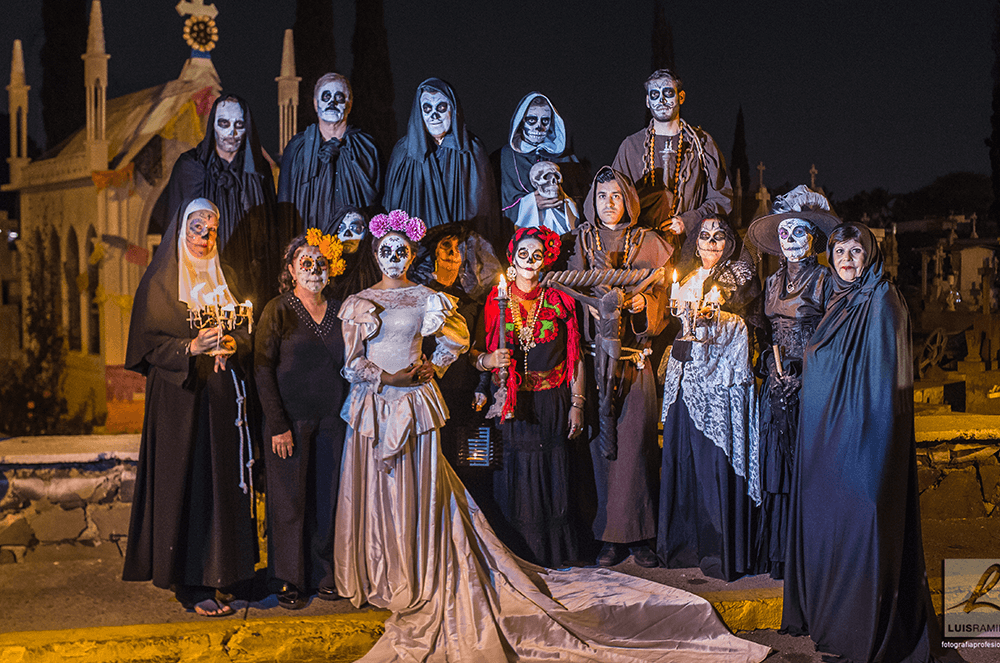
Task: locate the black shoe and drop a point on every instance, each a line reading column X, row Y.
column 290, row 598
column 327, row 593
column 611, row 554
column 645, row 557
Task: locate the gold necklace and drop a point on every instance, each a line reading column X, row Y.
column 525, row 332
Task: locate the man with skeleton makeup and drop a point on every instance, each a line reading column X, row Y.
column 794, row 302
column 329, row 165
column 229, row 168
column 537, row 134
column 440, row 170
column 678, row 170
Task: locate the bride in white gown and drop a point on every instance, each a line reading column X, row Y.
column 410, row 539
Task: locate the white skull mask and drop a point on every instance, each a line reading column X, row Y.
column 711, row 242
column 796, row 238
column 663, row 99
column 436, row 109
column 311, row 269
column 229, row 126
column 394, row 256
column 546, row 177
column 333, row 101
column 350, row 231
column 529, row 258
column 536, row 124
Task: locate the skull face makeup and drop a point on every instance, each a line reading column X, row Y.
column 663, row 99
column 536, row 123
column 711, row 242
column 229, row 127
column 333, row 102
column 447, row 260
column 796, row 239
column 528, row 259
column 394, row 255
column 546, row 177
column 610, row 203
column 350, row 231
column 436, row 110
column 202, row 229
column 310, row 269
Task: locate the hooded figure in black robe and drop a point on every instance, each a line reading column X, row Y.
column 854, row 570
column 450, row 181
column 192, row 526
column 249, row 238
column 319, row 177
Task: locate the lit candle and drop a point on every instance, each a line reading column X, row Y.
column 714, row 296
column 675, row 289
column 196, row 294
column 502, row 288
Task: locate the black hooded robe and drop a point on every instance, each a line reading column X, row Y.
column 191, row 522
column 250, row 240
column 854, row 570
column 319, row 178
column 452, row 181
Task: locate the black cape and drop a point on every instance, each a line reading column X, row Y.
column 319, row 178
column 854, row 571
column 191, row 522
column 250, row 240
column 452, row 181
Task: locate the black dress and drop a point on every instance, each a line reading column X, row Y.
column 854, row 571
column 297, row 364
column 794, row 301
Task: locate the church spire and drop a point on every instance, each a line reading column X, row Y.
column 17, row 100
column 288, row 93
column 95, row 62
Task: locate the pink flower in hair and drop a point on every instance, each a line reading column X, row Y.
column 397, row 221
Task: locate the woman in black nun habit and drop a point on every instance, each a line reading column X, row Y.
column 854, row 578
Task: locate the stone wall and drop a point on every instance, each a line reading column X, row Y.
column 959, row 479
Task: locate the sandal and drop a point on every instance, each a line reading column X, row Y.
column 213, row 608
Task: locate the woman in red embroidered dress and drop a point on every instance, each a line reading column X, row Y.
column 544, row 404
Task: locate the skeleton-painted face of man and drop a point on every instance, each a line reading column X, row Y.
column 229, row 126
column 536, row 124
column 546, row 177
column 333, row 102
column 796, row 239
column 394, row 255
column 711, row 242
column 849, row 259
column 201, row 232
column 436, row 110
column 310, row 269
column 663, row 99
column 610, row 203
column 350, row 231
column 528, row 258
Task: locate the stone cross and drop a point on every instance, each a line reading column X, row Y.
column 196, row 8
column 974, row 234
column 812, row 177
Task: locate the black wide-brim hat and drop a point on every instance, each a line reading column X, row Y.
column 799, row 203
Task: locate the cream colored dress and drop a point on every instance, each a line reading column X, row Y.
column 410, row 539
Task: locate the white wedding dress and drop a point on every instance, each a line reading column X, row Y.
column 410, row 539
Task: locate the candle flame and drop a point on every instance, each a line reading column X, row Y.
column 502, row 288
column 675, row 276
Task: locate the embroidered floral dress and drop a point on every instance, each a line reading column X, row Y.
column 531, row 489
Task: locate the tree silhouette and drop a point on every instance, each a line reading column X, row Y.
column 315, row 51
column 663, row 39
column 739, row 161
column 371, row 77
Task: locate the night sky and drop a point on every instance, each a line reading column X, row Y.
column 880, row 93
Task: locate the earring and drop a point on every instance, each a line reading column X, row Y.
column 697, row 252
column 511, row 273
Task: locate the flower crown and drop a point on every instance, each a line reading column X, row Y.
column 397, row 221
column 330, row 247
column 551, row 244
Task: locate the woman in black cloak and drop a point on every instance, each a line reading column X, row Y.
column 243, row 189
column 446, row 177
column 192, row 528
column 854, row 567
column 710, row 479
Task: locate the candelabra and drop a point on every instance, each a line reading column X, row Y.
column 226, row 317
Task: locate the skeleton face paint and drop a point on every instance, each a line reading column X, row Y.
column 333, row 102
column 536, row 124
column 796, row 238
column 229, row 126
column 310, row 269
column 447, row 260
column 394, row 256
column 350, row 231
column 610, row 203
column 528, row 259
column 849, row 259
column 546, row 177
column 663, row 100
column 711, row 242
column 202, row 229
column 436, row 110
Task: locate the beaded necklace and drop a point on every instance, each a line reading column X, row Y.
column 525, row 332
column 648, row 163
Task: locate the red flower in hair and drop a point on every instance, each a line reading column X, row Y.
column 551, row 244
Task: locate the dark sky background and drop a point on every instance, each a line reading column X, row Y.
column 880, row 93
